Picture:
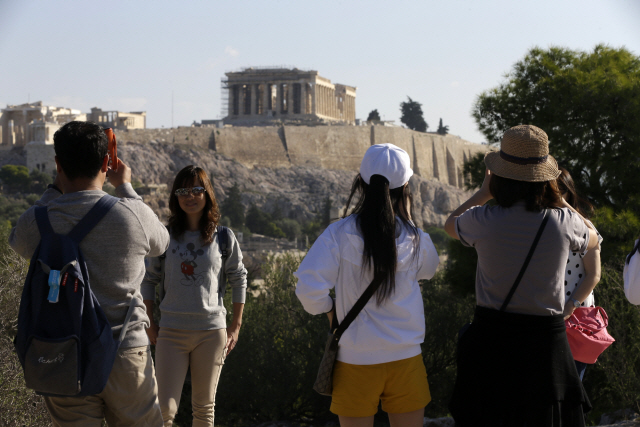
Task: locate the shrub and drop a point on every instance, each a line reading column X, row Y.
column 12, row 207
column 290, row 227
column 269, row 375
column 440, row 238
column 16, row 177
column 613, row 382
column 18, row 406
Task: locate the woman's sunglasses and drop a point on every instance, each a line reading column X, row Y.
column 196, row 191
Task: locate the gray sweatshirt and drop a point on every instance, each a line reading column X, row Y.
column 114, row 250
column 193, row 291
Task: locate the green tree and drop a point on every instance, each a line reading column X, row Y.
column 412, row 115
column 39, row 181
column 589, row 105
column 473, row 170
column 257, row 220
column 290, row 227
column 16, row 177
column 442, row 130
column 374, row 116
column 233, row 208
column 325, row 213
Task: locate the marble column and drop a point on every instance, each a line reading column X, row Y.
column 276, row 108
column 252, row 98
column 314, row 99
column 303, row 98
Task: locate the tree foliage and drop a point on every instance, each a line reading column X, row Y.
column 589, row 105
column 473, row 170
column 412, row 115
column 442, row 130
column 16, row 177
column 18, row 405
column 373, row 116
column 233, row 208
column 262, row 222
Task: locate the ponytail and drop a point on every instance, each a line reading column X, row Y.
column 376, row 212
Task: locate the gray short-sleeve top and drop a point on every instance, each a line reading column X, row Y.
column 502, row 238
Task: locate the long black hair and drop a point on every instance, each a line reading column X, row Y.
column 376, row 211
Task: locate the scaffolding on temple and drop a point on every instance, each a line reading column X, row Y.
column 224, row 98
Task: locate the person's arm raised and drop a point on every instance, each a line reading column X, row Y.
column 592, row 272
column 121, row 176
column 482, row 196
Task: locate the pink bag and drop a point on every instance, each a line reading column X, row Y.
column 587, row 333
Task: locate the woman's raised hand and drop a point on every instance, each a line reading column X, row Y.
column 484, row 189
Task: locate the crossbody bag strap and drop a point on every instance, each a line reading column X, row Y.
column 357, row 307
column 545, row 219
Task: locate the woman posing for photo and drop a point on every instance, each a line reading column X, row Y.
column 193, row 332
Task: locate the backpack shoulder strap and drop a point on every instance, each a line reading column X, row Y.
column 97, row 212
column 42, row 219
column 223, row 240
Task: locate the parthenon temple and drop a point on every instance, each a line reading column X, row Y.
column 264, row 95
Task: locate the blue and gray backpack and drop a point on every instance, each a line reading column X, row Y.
column 64, row 340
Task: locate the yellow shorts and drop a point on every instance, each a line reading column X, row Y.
column 401, row 385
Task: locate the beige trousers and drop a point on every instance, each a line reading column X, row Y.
column 176, row 351
column 130, row 397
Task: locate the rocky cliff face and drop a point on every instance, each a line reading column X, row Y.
column 298, row 191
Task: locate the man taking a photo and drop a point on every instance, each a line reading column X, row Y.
column 114, row 252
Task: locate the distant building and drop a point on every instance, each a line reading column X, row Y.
column 22, row 124
column 15, row 122
column 264, row 95
column 118, row 120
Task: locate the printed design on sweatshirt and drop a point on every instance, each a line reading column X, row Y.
column 188, row 266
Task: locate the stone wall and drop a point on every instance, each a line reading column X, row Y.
column 40, row 157
column 433, row 156
column 328, row 147
column 335, row 147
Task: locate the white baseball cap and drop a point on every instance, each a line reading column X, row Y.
column 387, row 160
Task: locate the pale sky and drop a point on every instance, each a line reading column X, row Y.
column 132, row 55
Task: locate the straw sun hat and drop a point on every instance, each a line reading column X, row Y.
column 523, row 156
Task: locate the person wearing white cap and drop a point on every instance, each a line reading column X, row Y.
column 514, row 364
column 379, row 356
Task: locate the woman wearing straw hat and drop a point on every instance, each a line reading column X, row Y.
column 514, row 363
column 379, row 356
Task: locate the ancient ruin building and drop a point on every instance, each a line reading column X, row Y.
column 25, row 123
column 257, row 96
column 118, row 119
column 16, row 121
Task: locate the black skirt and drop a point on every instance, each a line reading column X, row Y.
column 517, row 370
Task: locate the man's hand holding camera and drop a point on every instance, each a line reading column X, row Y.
column 120, row 176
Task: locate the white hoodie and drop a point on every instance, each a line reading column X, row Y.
column 379, row 334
